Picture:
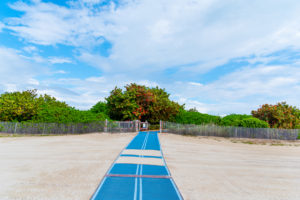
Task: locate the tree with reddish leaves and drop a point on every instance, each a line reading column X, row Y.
column 141, row 102
column 280, row 115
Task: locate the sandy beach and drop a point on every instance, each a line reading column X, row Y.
column 56, row 167
column 71, row 167
column 220, row 168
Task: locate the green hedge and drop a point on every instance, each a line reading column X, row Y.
column 253, row 123
column 243, row 121
column 68, row 115
column 194, row 117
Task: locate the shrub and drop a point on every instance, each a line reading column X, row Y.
column 100, row 107
column 234, row 119
column 195, row 117
column 253, row 123
column 68, row 115
column 243, row 121
column 154, row 127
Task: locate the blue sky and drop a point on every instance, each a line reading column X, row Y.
column 219, row 56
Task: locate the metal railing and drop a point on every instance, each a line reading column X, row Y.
column 228, row 131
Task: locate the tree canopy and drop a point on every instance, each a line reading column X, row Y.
column 28, row 106
column 18, row 106
column 137, row 102
column 141, row 102
column 280, row 115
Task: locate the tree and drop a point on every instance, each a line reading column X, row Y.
column 54, row 111
column 141, row 102
column 280, row 115
column 193, row 110
column 161, row 108
column 18, row 106
column 28, row 106
column 100, row 107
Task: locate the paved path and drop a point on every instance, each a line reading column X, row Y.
column 139, row 172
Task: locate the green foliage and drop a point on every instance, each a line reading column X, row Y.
column 253, row 123
column 18, row 106
column 194, row 117
column 280, row 115
column 67, row 115
column 154, row 127
column 243, row 121
column 27, row 106
column 52, row 110
column 162, row 107
column 141, row 102
column 234, row 119
column 100, row 107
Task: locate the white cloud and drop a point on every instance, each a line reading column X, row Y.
column 15, row 69
column 148, row 37
column 8, row 87
column 35, row 57
column 33, row 81
column 92, row 1
column 96, row 79
column 201, row 107
column 84, row 93
column 243, row 90
column 30, row 49
column 195, row 84
column 165, row 33
column 60, row 72
column 50, row 24
column 58, row 60
column 1, row 26
column 94, row 60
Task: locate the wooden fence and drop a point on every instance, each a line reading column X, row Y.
column 228, row 131
column 68, row 128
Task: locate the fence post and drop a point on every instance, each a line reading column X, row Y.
column 137, row 125
column 15, row 127
column 44, row 129
column 235, row 132
column 160, row 126
column 105, row 127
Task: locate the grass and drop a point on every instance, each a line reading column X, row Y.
column 279, row 144
column 248, row 142
column 266, row 142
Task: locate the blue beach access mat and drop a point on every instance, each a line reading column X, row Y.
column 139, row 173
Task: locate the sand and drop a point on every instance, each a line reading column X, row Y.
column 227, row 169
column 71, row 167
column 56, row 167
